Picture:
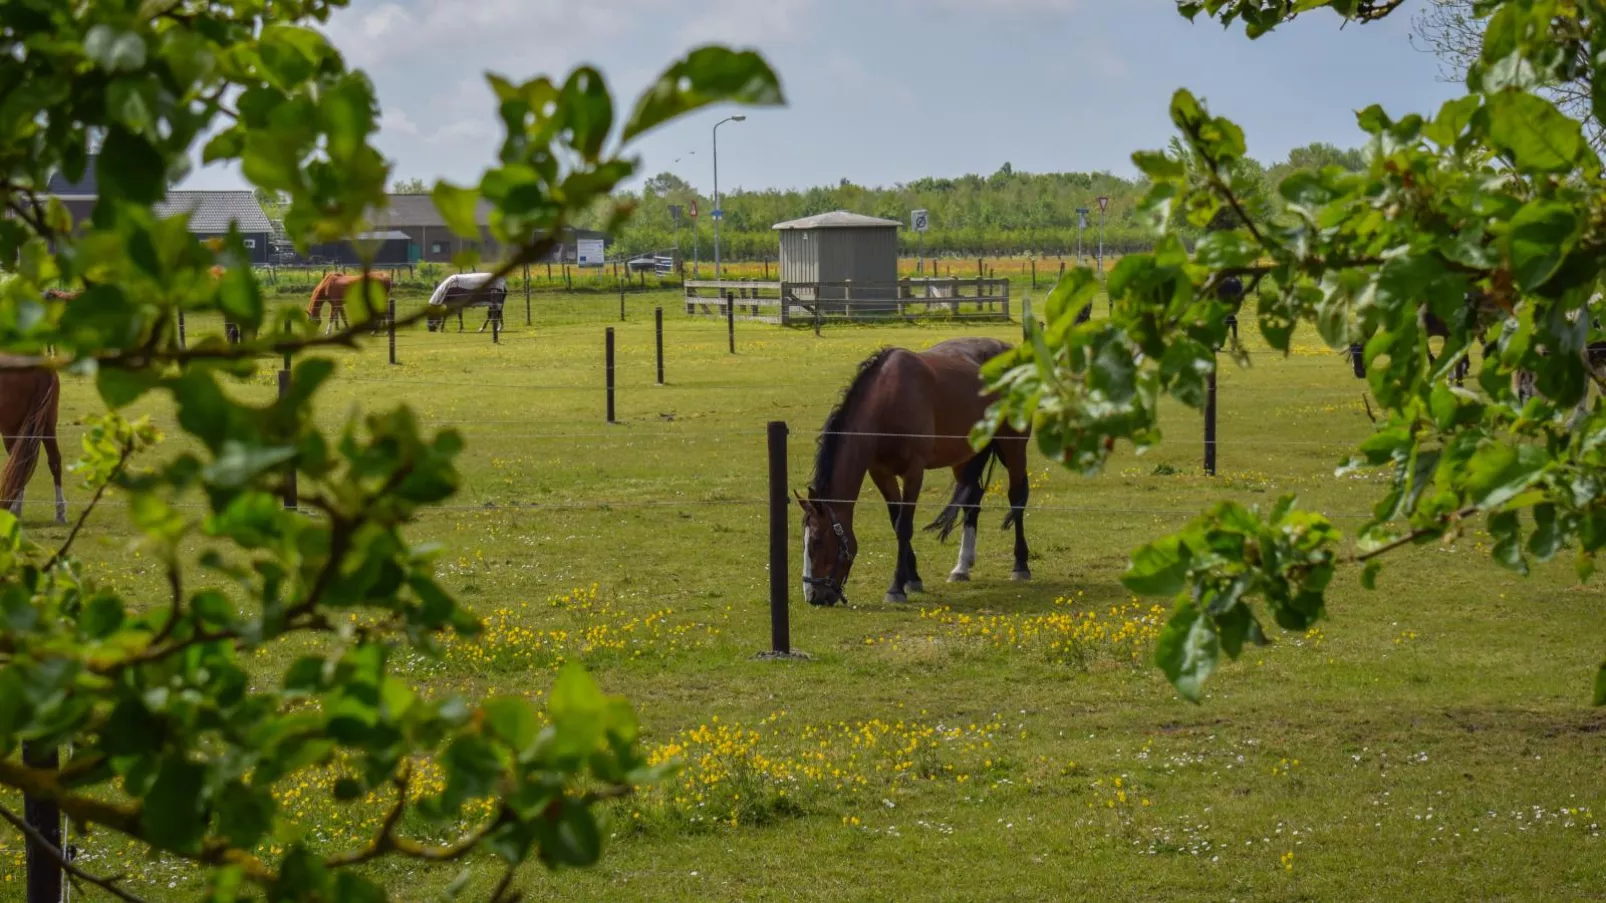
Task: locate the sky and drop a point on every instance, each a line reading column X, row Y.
column 879, row 91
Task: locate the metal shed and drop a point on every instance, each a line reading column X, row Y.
column 839, row 251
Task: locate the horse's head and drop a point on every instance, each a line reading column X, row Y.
column 828, row 552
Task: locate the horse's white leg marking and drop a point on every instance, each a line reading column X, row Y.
column 967, row 555
column 808, row 570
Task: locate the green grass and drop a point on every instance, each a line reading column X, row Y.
column 1444, row 741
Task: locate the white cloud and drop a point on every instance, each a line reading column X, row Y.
column 463, row 130
column 743, row 23
column 396, row 122
column 414, row 33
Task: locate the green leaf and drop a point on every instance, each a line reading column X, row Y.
column 1158, row 569
column 102, row 617
column 115, row 50
column 587, row 111
column 1369, row 574
column 174, row 812
column 238, row 464
column 1187, row 650
column 512, row 720
column 1542, row 234
column 707, row 76
column 458, row 207
column 1538, row 137
column 1600, row 684
column 577, row 708
column 573, row 839
column 120, row 386
column 240, row 298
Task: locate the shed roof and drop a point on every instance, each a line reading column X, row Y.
column 391, row 235
column 213, row 211
column 837, row 219
column 419, row 210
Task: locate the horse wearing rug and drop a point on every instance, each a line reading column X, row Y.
column 29, row 402
column 903, row 414
column 454, row 291
column 333, row 288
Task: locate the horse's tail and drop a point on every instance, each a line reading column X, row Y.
column 968, row 490
column 25, row 451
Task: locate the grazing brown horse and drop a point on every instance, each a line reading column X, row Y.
column 903, row 414
column 29, row 399
column 333, row 288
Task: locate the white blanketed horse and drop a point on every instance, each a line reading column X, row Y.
column 453, row 289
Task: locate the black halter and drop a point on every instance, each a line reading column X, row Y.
column 844, row 560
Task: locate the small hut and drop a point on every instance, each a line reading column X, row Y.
column 842, row 256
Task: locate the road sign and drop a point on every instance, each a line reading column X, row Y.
column 717, row 214
column 1081, row 217
column 1103, row 203
column 691, row 210
column 674, row 212
column 919, row 221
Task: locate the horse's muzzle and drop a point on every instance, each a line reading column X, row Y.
column 822, row 594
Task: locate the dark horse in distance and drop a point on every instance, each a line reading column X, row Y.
column 29, row 400
column 903, row 414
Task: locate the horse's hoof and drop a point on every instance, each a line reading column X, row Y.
column 895, row 597
column 1021, row 575
column 958, row 577
column 914, row 586
column 61, row 522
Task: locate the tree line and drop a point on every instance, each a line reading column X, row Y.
column 1006, row 213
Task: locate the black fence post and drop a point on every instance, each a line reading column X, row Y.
column 608, row 357
column 44, row 816
column 181, row 329
column 730, row 318
column 780, row 623
column 527, row 321
column 390, row 325
column 1034, row 272
column 290, row 494
column 1210, row 422
column 658, row 324
column 621, row 302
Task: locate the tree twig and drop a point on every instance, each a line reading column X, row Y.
column 128, row 451
column 109, row 885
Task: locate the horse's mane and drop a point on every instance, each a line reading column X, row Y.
column 836, row 421
column 321, row 290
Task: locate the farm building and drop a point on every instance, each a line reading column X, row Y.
column 832, row 249
column 210, row 212
column 415, row 216
column 387, row 248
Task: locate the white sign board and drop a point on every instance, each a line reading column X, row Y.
column 1081, row 217
column 919, row 221
column 590, row 252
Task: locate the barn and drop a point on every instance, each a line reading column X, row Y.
column 415, row 216
column 385, row 248
column 209, row 212
column 834, row 250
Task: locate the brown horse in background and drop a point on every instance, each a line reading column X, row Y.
column 903, row 414
column 29, row 402
column 333, row 288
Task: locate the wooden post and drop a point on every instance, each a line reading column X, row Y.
column 658, row 324
column 607, row 355
column 1210, row 422
column 44, row 816
column 621, row 302
column 568, row 284
column 981, row 271
column 527, row 321
column 549, row 272
column 780, row 622
column 730, row 317
column 1034, row 273
column 290, row 494
column 766, row 269
column 390, row 307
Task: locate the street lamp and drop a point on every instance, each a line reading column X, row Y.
column 718, row 213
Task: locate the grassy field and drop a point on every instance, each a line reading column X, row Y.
column 987, row 741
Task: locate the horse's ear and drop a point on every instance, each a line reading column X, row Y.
column 805, row 504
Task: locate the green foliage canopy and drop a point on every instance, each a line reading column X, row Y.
column 1488, row 213
column 176, row 743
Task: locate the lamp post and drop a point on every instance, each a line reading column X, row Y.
column 718, row 213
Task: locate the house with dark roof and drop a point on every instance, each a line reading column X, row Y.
column 433, row 241
column 209, row 212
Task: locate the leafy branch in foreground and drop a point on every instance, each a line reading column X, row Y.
column 181, row 732
column 1490, row 216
